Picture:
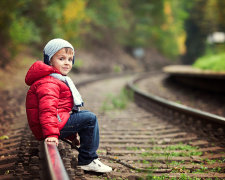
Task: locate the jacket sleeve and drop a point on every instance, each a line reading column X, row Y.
column 48, row 96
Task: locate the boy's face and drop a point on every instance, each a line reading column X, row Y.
column 62, row 61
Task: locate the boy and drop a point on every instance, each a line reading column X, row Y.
column 52, row 105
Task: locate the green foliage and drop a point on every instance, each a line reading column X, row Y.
column 150, row 177
column 157, row 24
column 180, row 146
column 185, row 177
column 205, row 18
column 119, row 101
column 23, row 31
column 108, row 22
column 133, row 148
column 25, row 22
column 174, row 154
column 211, row 62
column 78, row 63
column 117, row 69
column 109, row 14
column 4, row 137
column 148, row 15
column 127, row 24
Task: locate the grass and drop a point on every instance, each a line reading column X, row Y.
column 176, row 166
column 169, row 151
column 204, row 169
column 149, row 177
column 117, row 69
column 174, row 154
column 101, row 151
column 183, row 176
column 118, row 178
column 119, row 101
column 4, row 137
column 145, row 162
column 175, row 163
column 211, row 62
column 133, row 148
column 181, row 146
column 212, row 161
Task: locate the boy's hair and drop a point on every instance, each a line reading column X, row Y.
column 68, row 50
column 54, row 46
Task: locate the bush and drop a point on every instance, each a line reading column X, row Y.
column 211, row 62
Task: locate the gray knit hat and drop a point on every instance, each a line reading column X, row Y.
column 53, row 46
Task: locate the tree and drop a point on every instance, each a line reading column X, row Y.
column 205, row 18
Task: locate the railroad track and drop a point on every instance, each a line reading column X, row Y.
column 137, row 143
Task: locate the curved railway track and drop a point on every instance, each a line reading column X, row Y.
column 155, row 142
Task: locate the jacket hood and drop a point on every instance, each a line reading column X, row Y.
column 37, row 71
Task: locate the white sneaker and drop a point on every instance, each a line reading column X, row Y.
column 96, row 166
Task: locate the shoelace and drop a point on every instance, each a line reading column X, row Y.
column 99, row 164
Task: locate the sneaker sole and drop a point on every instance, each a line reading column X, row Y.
column 88, row 169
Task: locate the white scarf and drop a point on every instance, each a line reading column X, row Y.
column 77, row 99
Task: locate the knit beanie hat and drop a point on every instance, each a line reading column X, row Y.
column 53, row 46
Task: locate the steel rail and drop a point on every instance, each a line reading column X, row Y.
column 220, row 121
column 55, row 165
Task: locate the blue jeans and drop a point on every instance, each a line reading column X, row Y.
column 85, row 123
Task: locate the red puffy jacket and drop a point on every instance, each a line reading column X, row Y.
column 48, row 101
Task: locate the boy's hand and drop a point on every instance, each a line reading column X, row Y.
column 52, row 140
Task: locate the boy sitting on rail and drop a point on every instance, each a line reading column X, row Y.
column 53, row 102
